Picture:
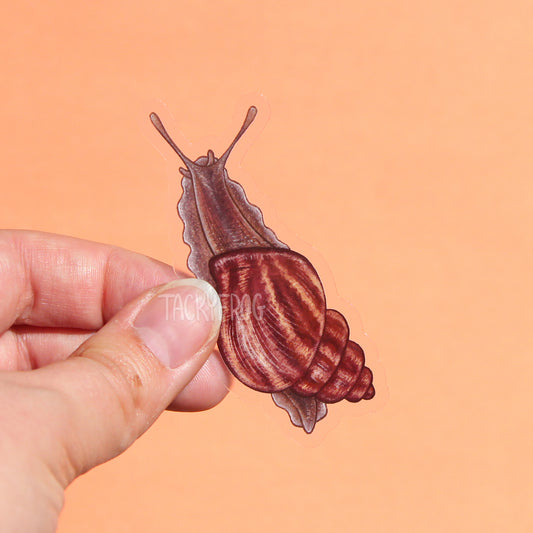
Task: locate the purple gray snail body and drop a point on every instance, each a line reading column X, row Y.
column 291, row 345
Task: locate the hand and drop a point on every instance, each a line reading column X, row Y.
column 90, row 355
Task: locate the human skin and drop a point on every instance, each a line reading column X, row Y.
column 89, row 358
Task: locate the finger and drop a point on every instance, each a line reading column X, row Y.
column 57, row 281
column 28, row 348
column 94, row 404
column 25, row 348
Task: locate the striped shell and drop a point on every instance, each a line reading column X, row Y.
column 274, row 307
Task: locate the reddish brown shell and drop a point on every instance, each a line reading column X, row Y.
column 277, row 334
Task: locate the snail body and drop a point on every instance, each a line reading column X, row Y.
column 277, row 334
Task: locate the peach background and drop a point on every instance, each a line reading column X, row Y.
column 399, row 144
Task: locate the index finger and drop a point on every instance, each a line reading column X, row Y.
column 53, row 280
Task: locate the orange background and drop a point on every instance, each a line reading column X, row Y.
column 396, row 137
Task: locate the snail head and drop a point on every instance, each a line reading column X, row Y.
column 203, row 161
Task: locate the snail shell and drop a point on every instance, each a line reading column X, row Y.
column 277, row 335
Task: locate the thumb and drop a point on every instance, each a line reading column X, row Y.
column 93, row 405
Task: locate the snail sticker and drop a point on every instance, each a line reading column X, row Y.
column 285, row 341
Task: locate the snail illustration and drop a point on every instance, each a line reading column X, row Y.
column 277, row 334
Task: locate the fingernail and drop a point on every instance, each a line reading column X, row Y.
column 180, row 320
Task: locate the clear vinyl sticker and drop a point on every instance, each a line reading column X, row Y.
column 278, row 335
